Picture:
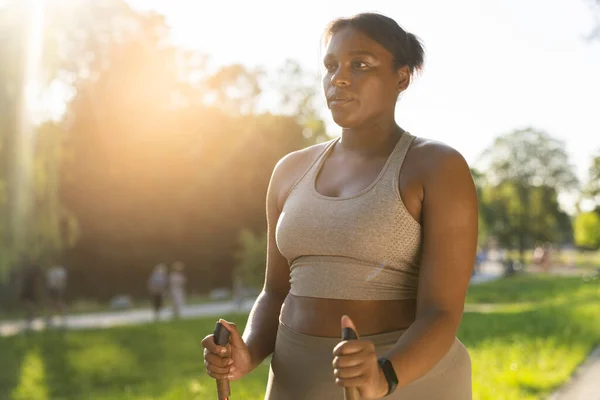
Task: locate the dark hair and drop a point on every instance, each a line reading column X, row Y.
column 405, row 47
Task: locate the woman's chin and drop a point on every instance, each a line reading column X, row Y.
column 343, row 120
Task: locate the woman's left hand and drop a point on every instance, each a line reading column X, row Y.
column 355, row 365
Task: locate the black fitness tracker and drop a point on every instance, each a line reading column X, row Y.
column 389, row 373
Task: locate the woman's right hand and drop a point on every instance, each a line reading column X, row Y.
column 232, row 361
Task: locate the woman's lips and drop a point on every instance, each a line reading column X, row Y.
column 339, row 102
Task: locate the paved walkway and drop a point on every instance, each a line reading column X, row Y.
column 585, row 383
column 121, row 318
column 489, row 271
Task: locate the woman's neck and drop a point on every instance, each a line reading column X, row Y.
column 372, row 139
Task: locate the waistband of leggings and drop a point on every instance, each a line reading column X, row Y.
column 377, row 339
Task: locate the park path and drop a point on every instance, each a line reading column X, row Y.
column 585, row 383
column 489, row 271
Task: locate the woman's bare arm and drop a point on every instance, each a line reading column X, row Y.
column 449, row 221
column 261, row 328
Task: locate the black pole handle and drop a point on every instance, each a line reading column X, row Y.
column 221, row 335
column 350, row 393
column 348, row 334
column 221, row 338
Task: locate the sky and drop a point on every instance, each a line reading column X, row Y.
column 491, row 66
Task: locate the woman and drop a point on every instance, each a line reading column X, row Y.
column 158, row 284
column 374, row 231
column 177, row 282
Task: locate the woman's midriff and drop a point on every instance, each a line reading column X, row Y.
column 321, row 317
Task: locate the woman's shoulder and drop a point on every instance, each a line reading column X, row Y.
column 423, row 146
column 297, row 162
column 432, row 157
column 291, row 168
column 439, row 169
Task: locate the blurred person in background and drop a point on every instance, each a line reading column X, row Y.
column 56, row 285
column 479, row 259
column 541, row 256
column 158, row 284
column 546, row 261
column 177, row 282
column 31, row 290
column 238, row 291
column 538, row 255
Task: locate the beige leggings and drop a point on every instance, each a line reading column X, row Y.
column 301, row 370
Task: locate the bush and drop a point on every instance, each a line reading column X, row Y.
column 251, row 259
column 587, row 230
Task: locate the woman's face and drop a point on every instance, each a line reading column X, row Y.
column 360, row 84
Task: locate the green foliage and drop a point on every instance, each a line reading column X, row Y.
column 587, row 230
column 526, row 169
column 505, row 213
column 483, row 235
column 52, row 228
column 30, row 213
column 483, row 228
column 252, row 259
column 235, row 88
column 530, row 157
column 11, row 74
column 592, row 189
column 48, row 228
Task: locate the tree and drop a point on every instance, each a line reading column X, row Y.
column 66, row 32
column 526, row 169
column 15, row 131
column 587, row 230
column 152, row 180
column 156, row 159
column 234, row 88
column 52, row 228
column 251, row 258
column 298, row 95
column 592, row 189
column 483, row 229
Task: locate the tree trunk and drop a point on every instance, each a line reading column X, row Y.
column 524, row 221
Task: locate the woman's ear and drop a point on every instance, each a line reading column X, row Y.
column 403, row 78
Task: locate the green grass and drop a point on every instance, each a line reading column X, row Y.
column 155, row 361
column 532, row 335
column 526, row 336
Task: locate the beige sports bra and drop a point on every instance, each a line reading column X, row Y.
column 362, row 247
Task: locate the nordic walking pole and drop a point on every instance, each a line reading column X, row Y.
column 350, row 393
column 221, row 337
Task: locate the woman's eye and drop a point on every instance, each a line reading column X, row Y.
column 330, row 67
column 359, row 64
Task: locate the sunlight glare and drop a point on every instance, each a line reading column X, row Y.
column 32, row 379
column 29, row 105
column 33, row 57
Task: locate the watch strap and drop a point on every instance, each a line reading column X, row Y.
column 389, row 373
